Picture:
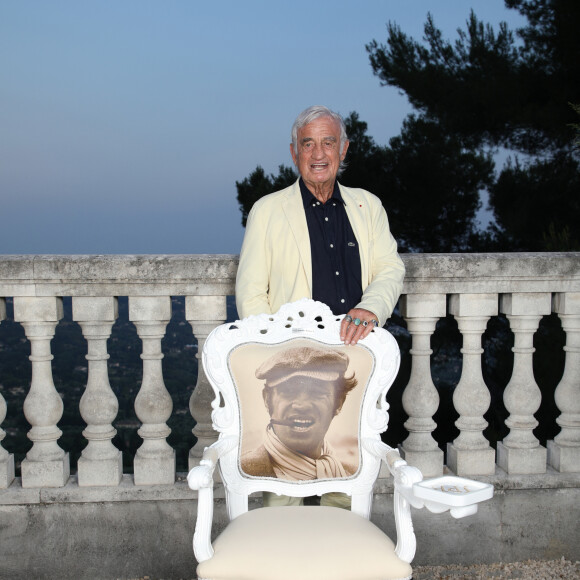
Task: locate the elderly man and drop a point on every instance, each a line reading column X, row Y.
column 318, row 239
column 304, row 389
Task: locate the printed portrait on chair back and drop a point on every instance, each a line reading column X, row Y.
column 300, row 405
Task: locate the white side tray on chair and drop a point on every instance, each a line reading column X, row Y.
column 300, row 414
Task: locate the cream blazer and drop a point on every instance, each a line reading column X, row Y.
column 275, row 261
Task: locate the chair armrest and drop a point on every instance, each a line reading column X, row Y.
column 201, row 479
column 201, row 476
column 405, row 476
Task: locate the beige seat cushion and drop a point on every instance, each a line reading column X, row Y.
column 303, row 543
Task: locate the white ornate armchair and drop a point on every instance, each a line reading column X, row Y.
column 249, row 363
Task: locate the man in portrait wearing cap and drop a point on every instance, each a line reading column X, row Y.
column 304, row 389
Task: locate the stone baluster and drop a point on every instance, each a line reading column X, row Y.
column 564, row 450
column 101, row 463
column 421, row 399
column 471, row 453
column 520, row 451
column 155, row 459
column 204, row 313
column 6, row 459
column 46, row 464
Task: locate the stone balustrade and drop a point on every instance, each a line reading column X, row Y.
column 472, row 288
column 48, row 513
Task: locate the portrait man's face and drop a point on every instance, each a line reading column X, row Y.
column 301, row 410
column 319, row 154
column 299, row 399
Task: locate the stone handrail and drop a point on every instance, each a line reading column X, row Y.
column 470, row 287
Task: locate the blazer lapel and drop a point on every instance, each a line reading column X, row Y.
column 293, row 209
column 356, row 212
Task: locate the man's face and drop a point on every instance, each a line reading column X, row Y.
column 319, row 153
column 306, row 407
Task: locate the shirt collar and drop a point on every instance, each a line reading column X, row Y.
column 308, row 198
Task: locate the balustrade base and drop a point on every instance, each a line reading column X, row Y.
column 154, row 470
column 521, row 461
column 470, row 461
column 563, row 459
column 100, row 471
column 7, row 472
column 429, row 462
column 45, row 473
column 530, row 517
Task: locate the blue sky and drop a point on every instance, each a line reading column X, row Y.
column 124, row 124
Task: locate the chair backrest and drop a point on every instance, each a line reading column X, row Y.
column 296, row 409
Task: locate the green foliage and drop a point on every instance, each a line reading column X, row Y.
column 365, row 160
column 258, row 184
column 463, row 86
column 433, row 186
column 489, row 90
column 486, row 87
column 537, row 205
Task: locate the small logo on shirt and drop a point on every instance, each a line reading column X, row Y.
column 351, row 244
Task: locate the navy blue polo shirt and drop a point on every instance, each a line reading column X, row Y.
column 336, row 269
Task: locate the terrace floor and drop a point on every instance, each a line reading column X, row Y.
column 530, row 570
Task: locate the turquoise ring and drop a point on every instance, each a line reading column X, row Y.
column 356, row 321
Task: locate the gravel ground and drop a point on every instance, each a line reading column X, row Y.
column 530, row 570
